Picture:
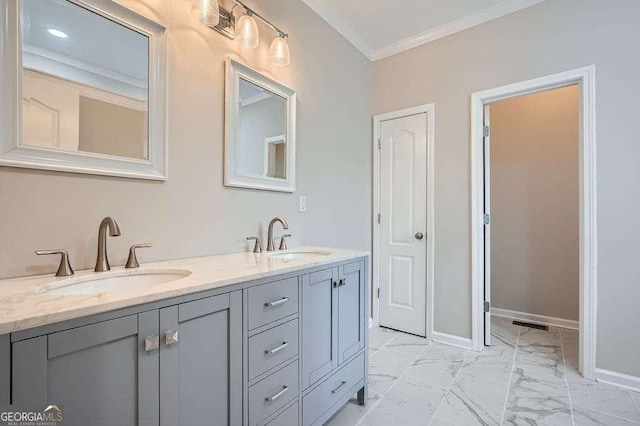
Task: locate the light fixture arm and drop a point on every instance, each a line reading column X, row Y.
column 252, row 12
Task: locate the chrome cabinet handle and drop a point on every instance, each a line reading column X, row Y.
column 336, row 390
column 419, row 235
column 278, row 395
column 277, row 302
column 171, row 337
column 151, row 343
column 343, row 281
column 276, row 349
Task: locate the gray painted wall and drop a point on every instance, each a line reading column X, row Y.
column 551, row 37
column 535, row 203
column 193, row 214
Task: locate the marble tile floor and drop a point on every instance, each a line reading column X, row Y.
column 528, row 377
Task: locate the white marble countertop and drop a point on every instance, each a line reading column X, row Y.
column 23, row 305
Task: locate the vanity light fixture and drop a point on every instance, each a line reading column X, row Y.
column 246, row 29
column 57, row 33
column 279, row 51
column 207, row 12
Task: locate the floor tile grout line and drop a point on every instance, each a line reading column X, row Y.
column 566, row 378
column 393, row 384
column 637, row 402
column 435, row 413
column 608, row 414
column 513, row 367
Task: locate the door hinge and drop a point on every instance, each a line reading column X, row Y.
column 379, row 144
column 485, row 131
column 487, row 219
column 378, row 292
column 378, row 218
column 487, row 306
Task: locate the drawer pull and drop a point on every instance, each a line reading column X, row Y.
column 276, row 349
column 278, row 395
column 336, row 390
column 151, row 343
column 277, row 302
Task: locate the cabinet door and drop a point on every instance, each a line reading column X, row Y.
column 100, row 373
column 319, row 325
column 201, row 362
column 351, row 310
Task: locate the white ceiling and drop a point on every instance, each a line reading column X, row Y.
column 381, row 28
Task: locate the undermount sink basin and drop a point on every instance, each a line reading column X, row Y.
column 299, row 254
column 111, row 282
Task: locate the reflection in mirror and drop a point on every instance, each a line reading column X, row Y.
column 85, row 81
column 262, row 126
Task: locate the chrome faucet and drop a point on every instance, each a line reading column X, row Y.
column 102, row 262
column 271, row 246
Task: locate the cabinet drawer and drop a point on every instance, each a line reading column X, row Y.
column 288, row 417
column 272, row 347
column 270, row 302
column 271, row 394
column 319, row 400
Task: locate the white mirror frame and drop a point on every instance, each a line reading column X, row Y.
column 234, row 72
column 14, row 154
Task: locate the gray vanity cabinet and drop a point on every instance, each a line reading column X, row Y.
column 333, row 319
column 319, row 325
column 100, row 372
column 201, row 362
column 179, row 365
column 351, row 310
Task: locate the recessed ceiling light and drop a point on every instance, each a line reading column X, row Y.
column 57, row 33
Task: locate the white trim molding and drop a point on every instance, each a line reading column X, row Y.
column 618, row 379
column 505, row 7
column 535, row 319
column 345, row 30
column 499, row 10
column 451, row 340
column 585, row 78
column 429, row 109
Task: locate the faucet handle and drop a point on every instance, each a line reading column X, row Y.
column 132, row 261
column 283, row 242
column 64, row 270
column 257, row 248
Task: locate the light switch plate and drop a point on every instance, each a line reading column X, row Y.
column 302, row 203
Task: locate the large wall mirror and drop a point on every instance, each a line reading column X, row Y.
column 87, row 79
column 259, row 132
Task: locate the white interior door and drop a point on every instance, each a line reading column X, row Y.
column 487, row 228
column 403, row 223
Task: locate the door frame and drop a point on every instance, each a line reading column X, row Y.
column 585, row 78
column 429, row 109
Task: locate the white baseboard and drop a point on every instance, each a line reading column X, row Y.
column 535, row 319
column 450, row 339
column 624, row 380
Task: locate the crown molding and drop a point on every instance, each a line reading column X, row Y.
column 501, row 9
column 342, row 27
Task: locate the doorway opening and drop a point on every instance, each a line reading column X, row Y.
column 533, row 207
column 403, row 230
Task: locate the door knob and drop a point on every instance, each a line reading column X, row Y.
column 419, row 236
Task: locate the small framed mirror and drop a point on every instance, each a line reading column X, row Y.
column 260, row 139
column 86, row 80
